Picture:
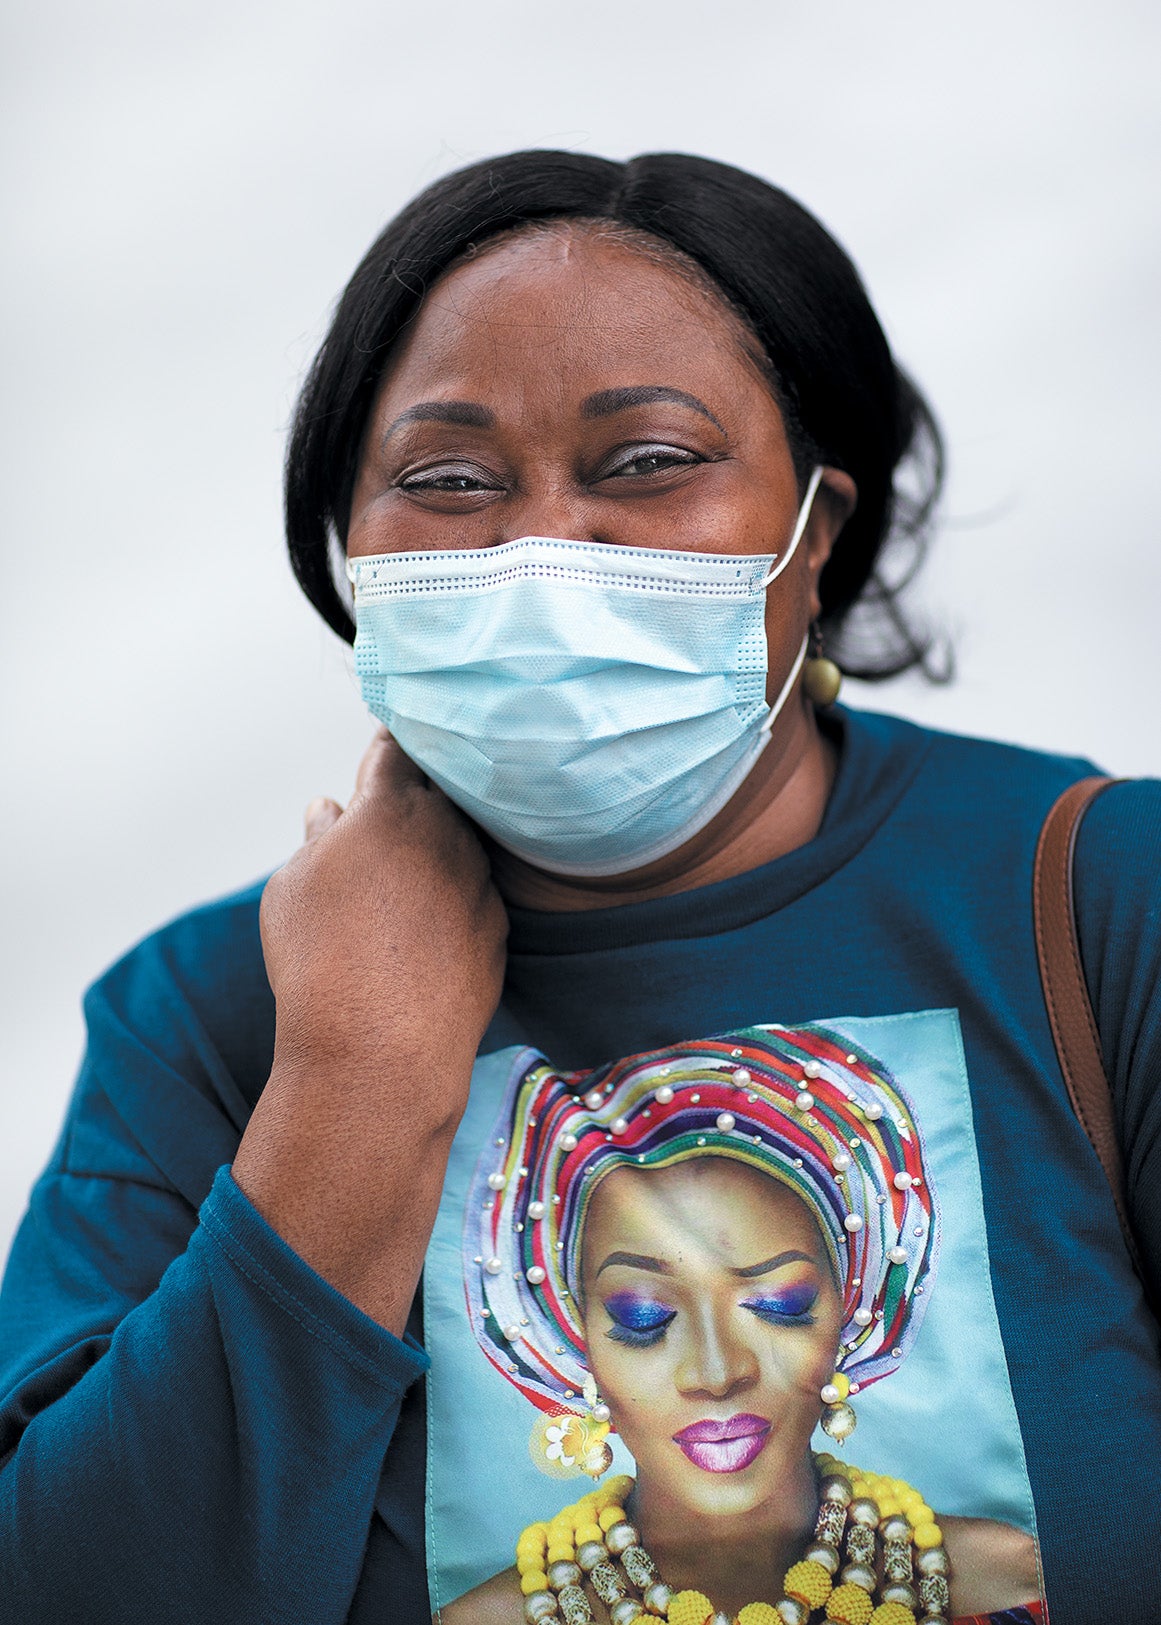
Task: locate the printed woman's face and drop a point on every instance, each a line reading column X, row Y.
column 712, row 1320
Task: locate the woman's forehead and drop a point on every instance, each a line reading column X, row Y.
column 564, row 298
column 713, row 1204
column 569, row 266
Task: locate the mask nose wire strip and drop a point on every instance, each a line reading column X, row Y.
column 800, row 526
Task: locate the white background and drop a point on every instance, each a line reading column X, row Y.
column 187, row 186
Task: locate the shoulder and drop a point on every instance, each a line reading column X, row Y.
column 953, row 754
column 993, row 1565
column 497, row 1601
column 1117, row 894
column 224, row 930
column 180, row 1035
column 959, row 793
column 179, row 1029
column 1117, row 867
column 209, row 959
column 1119, row 839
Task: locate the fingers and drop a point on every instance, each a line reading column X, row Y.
column 384, row 767
column 320, row 815
column 383, row 771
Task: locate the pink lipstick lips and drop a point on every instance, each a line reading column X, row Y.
column 724, row 1447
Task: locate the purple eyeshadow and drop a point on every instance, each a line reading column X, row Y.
column 638, row 1314
column 796, row 1298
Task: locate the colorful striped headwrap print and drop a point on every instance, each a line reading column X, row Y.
column 798, row 1104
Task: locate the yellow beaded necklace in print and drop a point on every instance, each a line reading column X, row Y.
column 877, row 1519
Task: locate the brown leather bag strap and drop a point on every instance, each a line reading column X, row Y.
column 1070, row 1013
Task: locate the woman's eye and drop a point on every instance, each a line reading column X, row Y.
column 455, row 480
column 638, row 1322
column 653, row 460
column 790, row 1308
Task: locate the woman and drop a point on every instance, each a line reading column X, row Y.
column 727, row 1264
column 608, row 448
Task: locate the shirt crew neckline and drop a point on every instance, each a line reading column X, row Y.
column 879, row 757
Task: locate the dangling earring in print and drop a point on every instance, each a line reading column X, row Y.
column 838, row 1418
column 821, row 678
column 570, row 1446
column 598, row 1456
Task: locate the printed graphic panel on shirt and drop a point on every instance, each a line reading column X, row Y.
column 652, row 1271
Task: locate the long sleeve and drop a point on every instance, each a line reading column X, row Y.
column 193, row 1424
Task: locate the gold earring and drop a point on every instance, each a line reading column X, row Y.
column 838, row 1418
column 598, row 1456
column 821, row 678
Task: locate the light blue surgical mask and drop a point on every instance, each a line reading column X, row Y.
column 591, row 707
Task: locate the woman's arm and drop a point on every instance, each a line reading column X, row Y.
column 209, row 1454
column 196, row 1415
column 384, row 943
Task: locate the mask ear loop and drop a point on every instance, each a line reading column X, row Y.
column 772, row 714
column 799, row 527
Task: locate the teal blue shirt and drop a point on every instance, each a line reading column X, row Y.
column 195, row 1426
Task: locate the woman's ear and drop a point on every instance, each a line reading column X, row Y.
column 834, row 503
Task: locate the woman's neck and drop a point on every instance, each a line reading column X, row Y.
column 778, row 808
column 735, row 1559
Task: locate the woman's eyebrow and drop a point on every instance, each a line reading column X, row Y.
column 469, row 414
column 607, row 401
column 637, row 1261
column 773, row 1264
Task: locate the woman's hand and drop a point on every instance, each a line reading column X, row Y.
column 384, row 944
column 384, row 933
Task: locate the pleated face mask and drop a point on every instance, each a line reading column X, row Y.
column 591, row 707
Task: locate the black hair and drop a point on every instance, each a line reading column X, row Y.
column 845, row 401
